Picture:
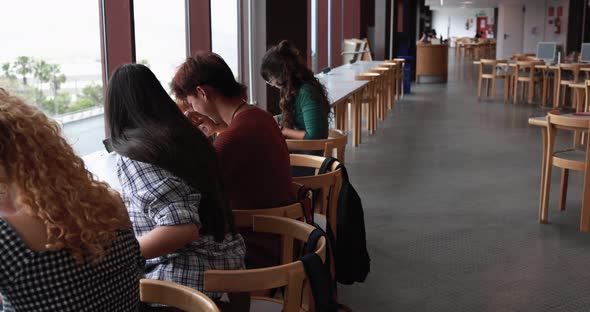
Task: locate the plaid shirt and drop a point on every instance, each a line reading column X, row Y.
column 154, row 197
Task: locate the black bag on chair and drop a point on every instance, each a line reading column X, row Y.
column 350, row 247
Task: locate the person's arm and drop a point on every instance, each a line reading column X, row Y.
column 315, row 116
column 167, row 239
column 293, row 134
column 171, row 204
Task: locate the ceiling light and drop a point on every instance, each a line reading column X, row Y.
column 441, row 2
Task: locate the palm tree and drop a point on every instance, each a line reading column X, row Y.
column 56, row 78
column 23, row 67
column 7, row 69
column 41, row 71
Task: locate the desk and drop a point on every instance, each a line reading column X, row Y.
column 432, row 60
column 341, row 87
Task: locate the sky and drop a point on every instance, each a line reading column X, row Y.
column 67, row 32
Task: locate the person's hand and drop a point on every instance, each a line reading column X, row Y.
column 204, row 123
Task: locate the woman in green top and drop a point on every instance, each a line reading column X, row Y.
column 305, row 108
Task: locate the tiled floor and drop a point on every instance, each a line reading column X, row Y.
column 450, row 188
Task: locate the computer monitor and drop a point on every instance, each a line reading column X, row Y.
column 546, row 51
column 585, row 53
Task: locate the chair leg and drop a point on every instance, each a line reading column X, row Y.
column 493, row 87
column 546, row 190
column 563, row 188
column 479, row 88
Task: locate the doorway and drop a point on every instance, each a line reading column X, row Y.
column 482, row 26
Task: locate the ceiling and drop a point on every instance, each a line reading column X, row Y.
column 435, row 4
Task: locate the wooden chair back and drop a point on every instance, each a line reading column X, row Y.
column 587, row 104
column 573, row 68
column 336, row 141
column 175, row 295
column 328, row 185
column 367, row 47
column 244, row 219
column 291, row 275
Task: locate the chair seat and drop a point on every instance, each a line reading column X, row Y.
column 571, row 159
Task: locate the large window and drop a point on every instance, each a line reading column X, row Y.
column 224, row 32
column 160, row 36
column 50, row 57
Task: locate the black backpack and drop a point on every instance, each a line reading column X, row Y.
column 350, row 247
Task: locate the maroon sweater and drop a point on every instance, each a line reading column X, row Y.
column 256, row 173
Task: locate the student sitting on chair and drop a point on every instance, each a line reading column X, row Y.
column 65, row 239
column 305, row 107
column 255, row 165
column 171, row 182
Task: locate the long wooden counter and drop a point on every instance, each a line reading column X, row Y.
column 432, row 60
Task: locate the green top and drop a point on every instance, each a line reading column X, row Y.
column 310, row 114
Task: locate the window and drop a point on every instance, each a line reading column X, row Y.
column 160, row 36
column 50, row 57
column 224, row 32
column 314, row 35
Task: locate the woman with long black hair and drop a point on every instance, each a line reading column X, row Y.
column 171, row 182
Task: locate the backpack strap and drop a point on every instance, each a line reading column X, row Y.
column 318, row 274
column 304, row 197
column 326, row 165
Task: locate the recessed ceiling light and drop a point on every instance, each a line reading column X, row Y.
column 441, row 2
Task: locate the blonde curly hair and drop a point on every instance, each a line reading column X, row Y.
column 80, row 214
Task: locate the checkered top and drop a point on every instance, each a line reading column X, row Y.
column 52, row 281
column 154, row 197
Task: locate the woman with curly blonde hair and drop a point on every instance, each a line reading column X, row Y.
column 66, row 242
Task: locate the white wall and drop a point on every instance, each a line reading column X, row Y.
column 534, row 25
column 457, row 18
column 550, row 34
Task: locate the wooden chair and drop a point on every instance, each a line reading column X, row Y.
column 571, row 159
column 367, row 56
column 294, row 211
column 291, row 275
column 587, row 104
column 562, row 83
column 327, row 184
column 336, row 141
column 483, row 76
column 175, row 295
column 524, row 75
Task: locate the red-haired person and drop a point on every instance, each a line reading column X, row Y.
column 252, row 152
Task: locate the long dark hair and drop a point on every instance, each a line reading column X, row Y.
column 284, row 63
column 147, row 126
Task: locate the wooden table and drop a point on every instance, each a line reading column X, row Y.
column 342, row 87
